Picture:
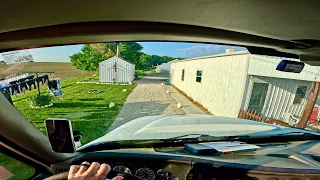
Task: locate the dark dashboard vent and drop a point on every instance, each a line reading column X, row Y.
column 179, row 151
column 184, row 151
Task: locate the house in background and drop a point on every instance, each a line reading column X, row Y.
column 116, row 70
column 163, row 68
column 226, row 83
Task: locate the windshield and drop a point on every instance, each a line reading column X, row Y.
column 160, row 90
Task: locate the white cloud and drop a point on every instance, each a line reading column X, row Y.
column 207, row 49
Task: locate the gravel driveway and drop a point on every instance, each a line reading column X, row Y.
column 148, row 98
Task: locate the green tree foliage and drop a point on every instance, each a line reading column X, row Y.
column 131, row 51
column 88, row 59
column 145, row 61
column 90, row 56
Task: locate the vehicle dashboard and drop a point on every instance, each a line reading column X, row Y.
column 159, row 165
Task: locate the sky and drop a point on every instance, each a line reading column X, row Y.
column 173, row 49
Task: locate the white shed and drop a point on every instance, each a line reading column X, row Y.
column 226, row 83
column 116, row 70
column 163, row 68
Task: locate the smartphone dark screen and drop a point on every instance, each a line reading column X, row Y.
column 60, row 137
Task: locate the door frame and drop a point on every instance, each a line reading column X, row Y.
column 253, row 80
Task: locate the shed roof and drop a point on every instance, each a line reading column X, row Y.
column 115, row 57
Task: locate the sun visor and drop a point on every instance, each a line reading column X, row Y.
column 311, row 60
column 270, row 52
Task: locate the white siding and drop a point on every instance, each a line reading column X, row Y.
column 222, row 85
column 227, row 82
column 280, row 96
column 266, row 66
column 163, row 68
column 116, row 70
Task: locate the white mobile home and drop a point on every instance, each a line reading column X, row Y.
column 116, row 70
column 226, row 83
column 163, row 68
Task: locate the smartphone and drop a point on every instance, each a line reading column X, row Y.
column 60, row 135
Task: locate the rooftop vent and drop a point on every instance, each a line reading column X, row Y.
column 229, row 50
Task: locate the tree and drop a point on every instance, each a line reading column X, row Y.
column 130, row 51
column 145, row 61
column 103, row 49
column 156, row 60
column 88, row 59
column 90, row 56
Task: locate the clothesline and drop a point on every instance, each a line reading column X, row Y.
column 26, row 84
column 13, row 78
column 37, row 75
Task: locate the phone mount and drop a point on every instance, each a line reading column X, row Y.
column 77, row 135
column 61, row 136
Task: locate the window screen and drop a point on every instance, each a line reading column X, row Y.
column 182, row 75
column 300, row 94
column 199, row 76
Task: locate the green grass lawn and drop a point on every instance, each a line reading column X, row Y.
column 142, row 73
column 89, row 113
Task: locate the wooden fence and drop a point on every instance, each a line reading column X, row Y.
column 253, row 115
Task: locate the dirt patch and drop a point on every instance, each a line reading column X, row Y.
column 60, row 69
column 192, row 100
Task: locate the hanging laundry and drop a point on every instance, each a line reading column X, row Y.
column 40, row 79
column 45, row 78
column 15, row 89
column 30, row 83
column 22, row 80
column 53, row 84
column 50, row 84
column 23, row 85
column 13, row 82
column 30, row 77
column 58, row 83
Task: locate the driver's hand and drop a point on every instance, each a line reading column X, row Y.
column 87, row 171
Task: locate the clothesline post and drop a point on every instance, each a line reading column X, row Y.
column 38, row 83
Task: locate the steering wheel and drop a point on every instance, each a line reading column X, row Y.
column 111, row 174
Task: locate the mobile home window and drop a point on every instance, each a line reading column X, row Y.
column 199, row 76
column 182, row 75
column 300, row 94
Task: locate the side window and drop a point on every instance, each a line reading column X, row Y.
column 182, row 75
column 13, row 169
column 300, row 94
column 199, row 76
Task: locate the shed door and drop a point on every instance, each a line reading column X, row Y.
column 258, row 96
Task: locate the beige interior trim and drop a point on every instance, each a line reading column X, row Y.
column 28, row 157
column 15, row 128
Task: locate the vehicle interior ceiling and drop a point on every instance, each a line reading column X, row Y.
column 274, row 28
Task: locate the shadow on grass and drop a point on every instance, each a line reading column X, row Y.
column 75, row 104
column 62, row 87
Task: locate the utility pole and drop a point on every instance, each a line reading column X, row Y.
column 118, row 50
column 309, row 106
column 37, row 75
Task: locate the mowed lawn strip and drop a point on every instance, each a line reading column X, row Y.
column 89, row 113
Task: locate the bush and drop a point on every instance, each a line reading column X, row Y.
column 40, row 100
